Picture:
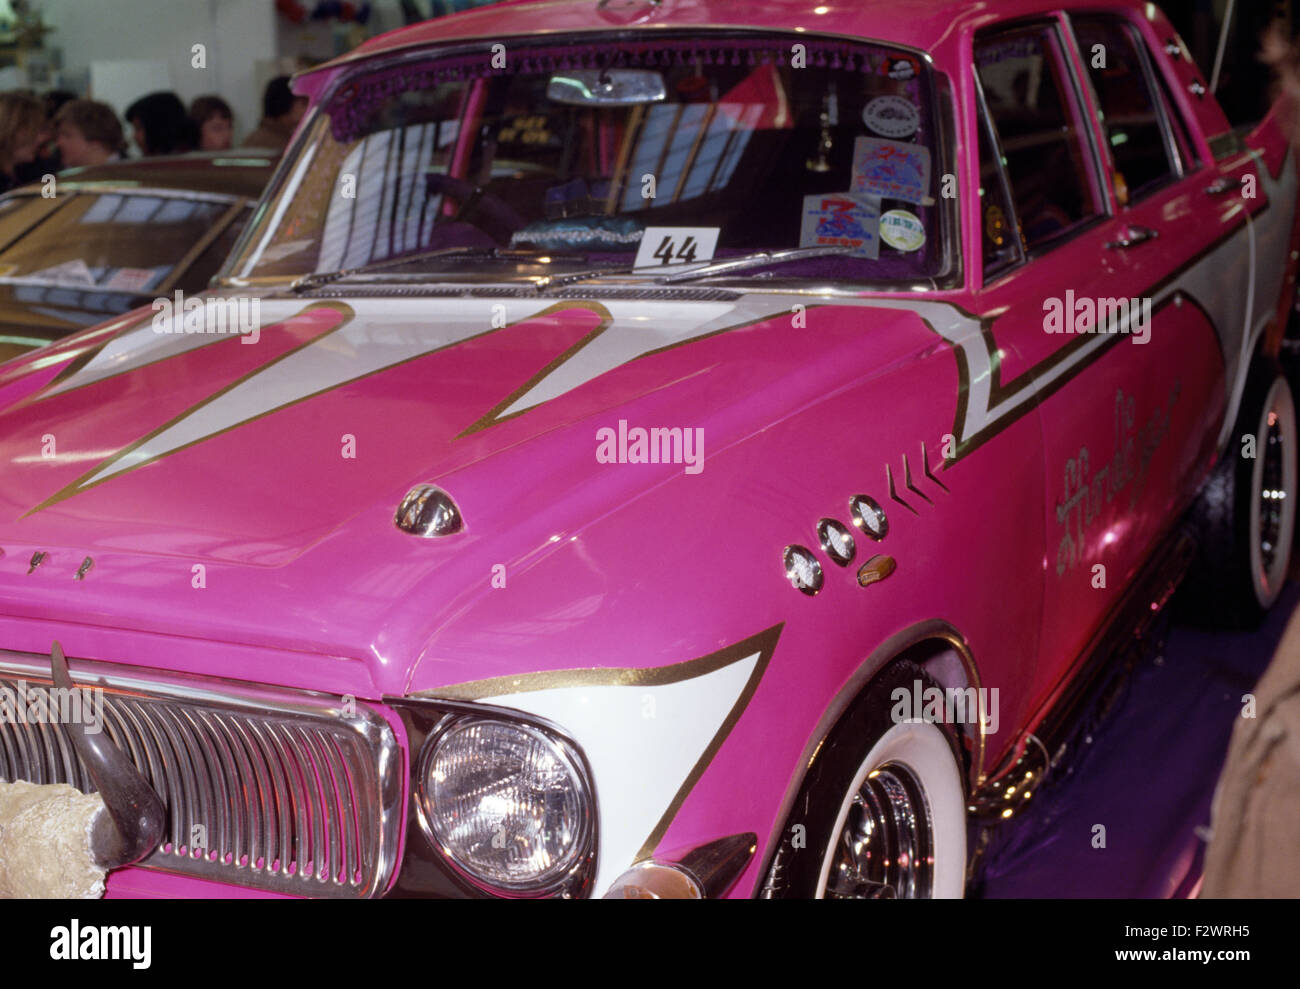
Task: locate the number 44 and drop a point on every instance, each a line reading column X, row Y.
column 684, row 253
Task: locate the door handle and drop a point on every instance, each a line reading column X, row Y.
column 1133, row 235
column 1223, row 185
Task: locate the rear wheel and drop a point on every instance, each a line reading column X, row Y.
column 1246, row 514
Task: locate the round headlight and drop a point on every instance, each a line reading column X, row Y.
column 507, row 803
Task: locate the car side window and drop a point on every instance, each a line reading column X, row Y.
column 1039, row 125
column 1191, row 158
column 1002, row 247
column 1134, row 115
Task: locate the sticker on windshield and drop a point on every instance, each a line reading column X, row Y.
column 676, row 245
column 900, row 67
column 72, row 273
column 890, row 169
column 892, row 116
column 134, row 279
column 902, row 230
column 842, row 220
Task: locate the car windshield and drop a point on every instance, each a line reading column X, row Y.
column 100, row 252
column 618, row 153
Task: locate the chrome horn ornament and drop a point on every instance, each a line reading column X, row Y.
column 428, row 511
column 133, row 826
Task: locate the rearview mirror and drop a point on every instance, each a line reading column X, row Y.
column 606, row 87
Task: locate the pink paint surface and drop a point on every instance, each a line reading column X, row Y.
column 310, row 585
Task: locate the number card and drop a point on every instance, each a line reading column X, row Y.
column 676, row 245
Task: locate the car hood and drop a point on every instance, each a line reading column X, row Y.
column 252, row 448
column 277, row 458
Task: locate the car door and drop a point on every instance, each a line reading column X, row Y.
column 1168, row 183
column 1118, row 405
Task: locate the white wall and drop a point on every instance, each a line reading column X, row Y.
column 239, row 36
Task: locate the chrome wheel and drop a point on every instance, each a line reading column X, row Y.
column 885, row 849
column 901, row 827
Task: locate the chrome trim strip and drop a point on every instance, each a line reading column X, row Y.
column 115, row 188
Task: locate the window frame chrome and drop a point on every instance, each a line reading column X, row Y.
column 1092, row 155
column 1173, row 153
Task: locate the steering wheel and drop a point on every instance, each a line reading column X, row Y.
column 473, row 199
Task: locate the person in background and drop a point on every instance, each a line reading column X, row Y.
column 88, row 133
column 161, row 126
column 281, row 111
column 22, row 118
column 47, row 160
column 1254, row 844
column 212, row 116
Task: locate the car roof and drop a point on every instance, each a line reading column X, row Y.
column 241, row 172
column 918, row 24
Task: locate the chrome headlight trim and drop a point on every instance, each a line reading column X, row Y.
column 427, row 722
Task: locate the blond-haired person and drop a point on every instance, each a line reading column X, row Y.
column 22, row 118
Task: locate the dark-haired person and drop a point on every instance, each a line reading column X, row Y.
column 161, row 125
column 212, row 116
column 88, row 133
column 281, row 111
column 22, row 118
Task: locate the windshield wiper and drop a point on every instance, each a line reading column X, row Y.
column 319, row 278
column 762, row 259
column 758, row 260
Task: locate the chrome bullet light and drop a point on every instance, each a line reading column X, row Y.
column 869, row 516
column 803, row 570
column 837, row 541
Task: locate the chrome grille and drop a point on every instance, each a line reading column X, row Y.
column 271, row 789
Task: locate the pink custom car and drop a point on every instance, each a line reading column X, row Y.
column 675, row 449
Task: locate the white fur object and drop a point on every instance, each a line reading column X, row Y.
column 45, row 842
